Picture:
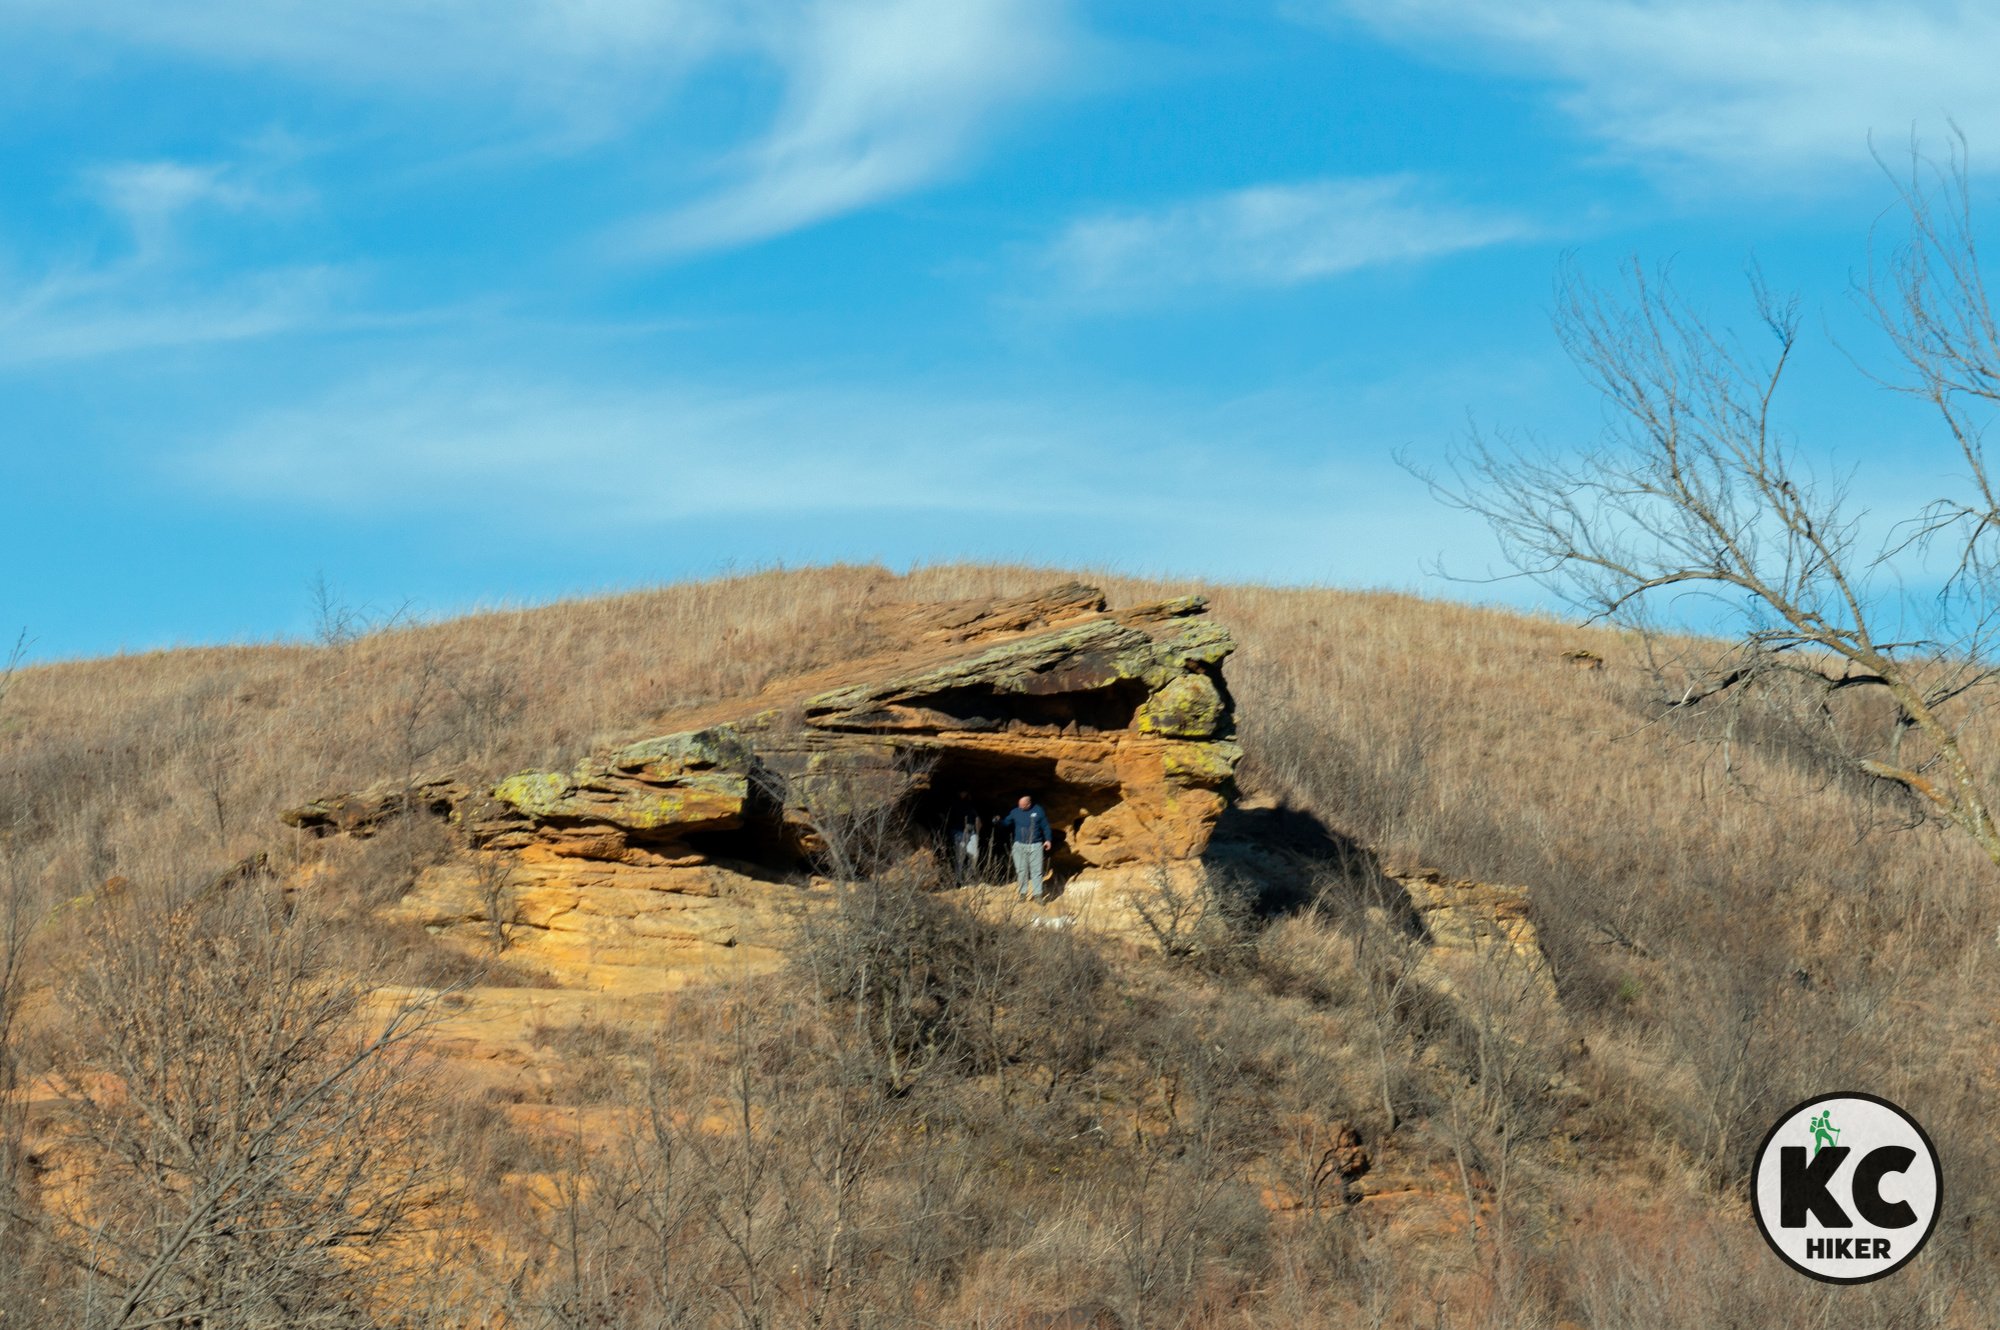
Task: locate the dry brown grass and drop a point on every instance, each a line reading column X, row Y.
column 1731, row 930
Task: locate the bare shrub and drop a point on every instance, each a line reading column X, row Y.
column 1201, row 914
column 364, row 875
column 21, row 1248
column 1304, row 956
column 1053, row 1009
column 739, row 1191
column 247, row 1135
column 493, row 883
column 903, row 968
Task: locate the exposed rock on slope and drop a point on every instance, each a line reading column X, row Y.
column 1119, row 722
column 660, row 859
column 608, row 926
column 655, row 859
column 1481, row 928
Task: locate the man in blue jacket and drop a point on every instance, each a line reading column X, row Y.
column 1032, row 839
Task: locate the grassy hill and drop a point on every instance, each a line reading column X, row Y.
column 945, row 1114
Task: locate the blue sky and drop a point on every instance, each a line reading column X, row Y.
column 457, row 302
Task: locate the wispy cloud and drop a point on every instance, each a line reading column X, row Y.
column 1266, row 236
column 150, row 197
column 1763, row 91
column 841, row 471
column 1138, row 483
column 537, row 49
column 606, row 453
column 81, row 315
column 152, row 292
column 882, row 97
column 876, row 97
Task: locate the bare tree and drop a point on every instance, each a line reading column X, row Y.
column 21, row 912
column 1697, row 489
column 250, row 1132
column 211, row 744
column 493, row 880
column 335, row 623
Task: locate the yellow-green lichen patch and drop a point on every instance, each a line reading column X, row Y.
column 1200, row 763
column 665, row 757
column 680, row 807
column 536, row 793
column 1190, row 707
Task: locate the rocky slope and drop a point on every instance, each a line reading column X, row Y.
column 682, row 856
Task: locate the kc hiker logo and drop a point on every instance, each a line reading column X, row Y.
column 1846, row 1188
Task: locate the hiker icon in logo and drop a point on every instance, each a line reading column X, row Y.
column 1846, row 1212
column 1824, row 1132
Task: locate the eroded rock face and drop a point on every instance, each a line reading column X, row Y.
column 1119, row 723
column 1482, row 929
column 609, row 926
column 362, row 814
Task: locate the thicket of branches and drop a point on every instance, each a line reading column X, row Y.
column 1698, row 490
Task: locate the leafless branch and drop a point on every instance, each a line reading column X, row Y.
column 1695, row 489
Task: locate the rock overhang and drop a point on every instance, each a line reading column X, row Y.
column 1119, row 722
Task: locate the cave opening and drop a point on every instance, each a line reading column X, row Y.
column 991, row 782
column 767, row 842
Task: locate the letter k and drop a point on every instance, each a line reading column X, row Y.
column 1802, row 1187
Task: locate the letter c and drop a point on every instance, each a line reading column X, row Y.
column 1868, row 1186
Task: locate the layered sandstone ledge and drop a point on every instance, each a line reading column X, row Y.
column 1119, row 722
column 675, row 846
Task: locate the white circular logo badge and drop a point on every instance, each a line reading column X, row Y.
column 1846, row 1188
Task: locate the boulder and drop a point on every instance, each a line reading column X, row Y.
column 676, row 784
column 363, row 813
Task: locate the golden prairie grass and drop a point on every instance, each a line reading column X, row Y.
column 1732, row 926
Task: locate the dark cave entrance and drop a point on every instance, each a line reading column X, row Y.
column 992, row 782
column 773, row 842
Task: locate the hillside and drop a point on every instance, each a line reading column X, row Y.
column 1300, row 1075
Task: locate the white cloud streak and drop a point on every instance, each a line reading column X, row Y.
column 882, row 97
column 82, row 315
column 151, row 197
column 877, row 97
column 1266, row 236
column 157, row 293
column 622, row 455
column 538, row 49
column 1760, row 91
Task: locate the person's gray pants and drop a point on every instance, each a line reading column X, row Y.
column 1028, row 867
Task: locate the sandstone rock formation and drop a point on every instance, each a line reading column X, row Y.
column 658, row 858
column 1119, row 722
column 646, row 863
column 606, row 926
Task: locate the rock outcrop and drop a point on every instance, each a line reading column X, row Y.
column 666, row 857
column 1120, row 723
column 1480, row 933
column 607, row 926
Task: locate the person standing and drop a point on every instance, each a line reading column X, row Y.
column 1032, row 840
column 962, row 829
